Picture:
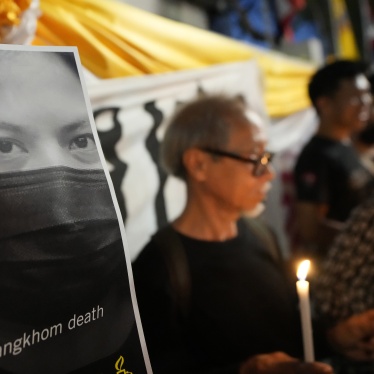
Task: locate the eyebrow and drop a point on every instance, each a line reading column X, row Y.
column 69, row 127
column 9, row 126
column 76, row 125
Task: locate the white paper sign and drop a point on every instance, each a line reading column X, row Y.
column 66, row 291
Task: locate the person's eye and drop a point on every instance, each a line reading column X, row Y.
column 83, row 142
column 82, row 148
column 11, row 147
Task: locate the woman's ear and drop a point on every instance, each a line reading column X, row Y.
column 195, row 163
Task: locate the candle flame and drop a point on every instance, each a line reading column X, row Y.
column 303, row 269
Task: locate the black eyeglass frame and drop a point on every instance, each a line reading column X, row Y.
column 261, row 162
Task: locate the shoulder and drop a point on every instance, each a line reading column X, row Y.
column 161, row 253
column 264, row 234
column 314, row 155
column 362, row 217
column 319, row 147
column 357, row 236
column 150, row 261
column 148, row 252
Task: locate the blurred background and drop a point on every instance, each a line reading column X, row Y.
column 142, row 58
column 310, row 29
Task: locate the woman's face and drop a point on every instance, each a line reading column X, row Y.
column 43, row 116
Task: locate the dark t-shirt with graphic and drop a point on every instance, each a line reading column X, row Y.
column 330, row 172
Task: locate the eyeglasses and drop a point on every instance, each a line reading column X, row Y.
column 364, row 99
column 260, row 162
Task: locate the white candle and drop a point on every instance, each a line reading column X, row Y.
column 306, row 322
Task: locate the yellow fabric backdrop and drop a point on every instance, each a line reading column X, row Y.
column 115, row 40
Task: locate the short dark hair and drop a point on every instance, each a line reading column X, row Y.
column 326, row 80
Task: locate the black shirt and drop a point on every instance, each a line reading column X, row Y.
column 241, row 304
column 330, row 172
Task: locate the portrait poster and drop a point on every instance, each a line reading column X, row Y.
column 67, row 299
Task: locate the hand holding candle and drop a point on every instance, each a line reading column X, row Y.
column 306, row 323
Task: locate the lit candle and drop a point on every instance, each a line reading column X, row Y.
column 306, row 323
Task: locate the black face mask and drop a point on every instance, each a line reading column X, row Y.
column 60, row 244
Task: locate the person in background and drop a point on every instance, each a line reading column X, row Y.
column 344, row 288
column 213, row 297
column 330, row 179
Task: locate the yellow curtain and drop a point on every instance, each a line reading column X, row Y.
column 115, row 40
